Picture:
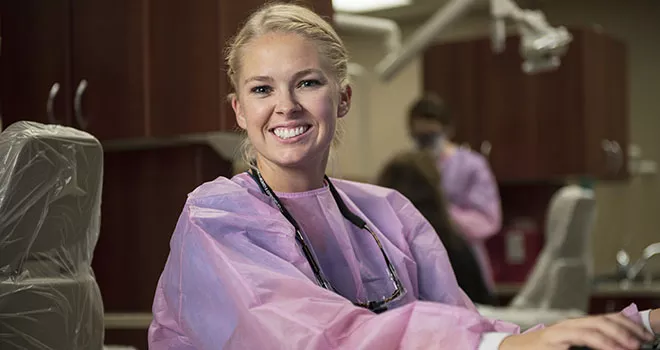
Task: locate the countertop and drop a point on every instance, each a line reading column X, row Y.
column 136, row 320
column 602, row 289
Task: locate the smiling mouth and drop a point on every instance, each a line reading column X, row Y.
column 288, row 133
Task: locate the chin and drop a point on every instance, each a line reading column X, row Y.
column 294, row 162
column 296, row 159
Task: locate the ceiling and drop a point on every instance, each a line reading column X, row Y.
column 422, row 9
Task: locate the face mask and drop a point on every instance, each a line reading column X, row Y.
column 428, row 140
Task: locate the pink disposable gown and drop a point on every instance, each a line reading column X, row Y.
column 236, row 278
column 472, row 192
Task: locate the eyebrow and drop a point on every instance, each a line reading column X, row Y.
column 298, row 75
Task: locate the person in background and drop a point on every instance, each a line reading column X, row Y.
column 467, row 180
column 284, row 257
column 415, row 175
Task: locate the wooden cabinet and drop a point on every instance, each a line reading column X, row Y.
column 143, row 194
column 125, row 68
column 110, row 67
column 34, row 61
column 569, row 122
column 77, row 63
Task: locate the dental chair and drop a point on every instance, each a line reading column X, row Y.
column 559, row 286
column 50, row 198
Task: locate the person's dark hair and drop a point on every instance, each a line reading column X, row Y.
column 432, row 107
column 415, row 175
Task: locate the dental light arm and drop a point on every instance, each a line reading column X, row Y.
column 541, row 45
column 389, row 66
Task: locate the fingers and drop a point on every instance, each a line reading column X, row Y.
column 654, row 319
column 635, row 329
column 591, row 338
column 615, row 332
column 607, row 332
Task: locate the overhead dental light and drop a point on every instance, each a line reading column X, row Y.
column 367, row 5
column 541, row 45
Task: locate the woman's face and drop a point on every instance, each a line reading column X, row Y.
column 288, row 100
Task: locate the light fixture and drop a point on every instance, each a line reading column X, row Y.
column 541, row 45
column 367, row 5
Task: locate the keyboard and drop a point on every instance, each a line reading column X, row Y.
column 655, row 345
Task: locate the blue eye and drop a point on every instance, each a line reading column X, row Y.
column 263, row 89
column 309, row 83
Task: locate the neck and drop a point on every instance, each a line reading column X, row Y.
column 449, row 147
column 444, row 149
column 292, row 179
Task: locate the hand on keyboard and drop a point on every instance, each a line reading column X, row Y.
column 606, row 332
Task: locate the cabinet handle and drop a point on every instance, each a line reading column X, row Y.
column 618, row 154
column 49, row 103
column 485, row 148
column 610, row 152
column 606, row 145
column 77, row 104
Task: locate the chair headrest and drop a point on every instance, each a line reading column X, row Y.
column 569, row 221
column 50, row 196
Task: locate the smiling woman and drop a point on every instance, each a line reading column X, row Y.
column 285, row 257
column 302, row 81
column 288, row 102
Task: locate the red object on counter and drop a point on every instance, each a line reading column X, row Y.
column 513, row 252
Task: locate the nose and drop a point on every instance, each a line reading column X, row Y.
column 287, row 103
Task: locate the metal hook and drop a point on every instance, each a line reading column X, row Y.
column 77, row 104
column 50, row 102
column 486, row 147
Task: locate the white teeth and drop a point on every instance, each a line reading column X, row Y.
column 287, row 133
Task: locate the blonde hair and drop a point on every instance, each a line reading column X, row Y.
column 288, row 18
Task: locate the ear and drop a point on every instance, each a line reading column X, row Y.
column 238, row 111
column 344, row 101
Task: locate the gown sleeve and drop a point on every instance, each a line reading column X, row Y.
column 481, row 215
column 435, row 274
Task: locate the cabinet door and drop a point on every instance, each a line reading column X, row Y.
column 187, row 75
column 451, row 72
column 606, row 104
column 188, row 80
column 35, row 61
column 509, row 129
column 109, row 67
column 557, row 107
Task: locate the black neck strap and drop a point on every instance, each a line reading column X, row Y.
column 348, row 215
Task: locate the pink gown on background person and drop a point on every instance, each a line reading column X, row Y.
column 473, row 195
column 237, row 279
